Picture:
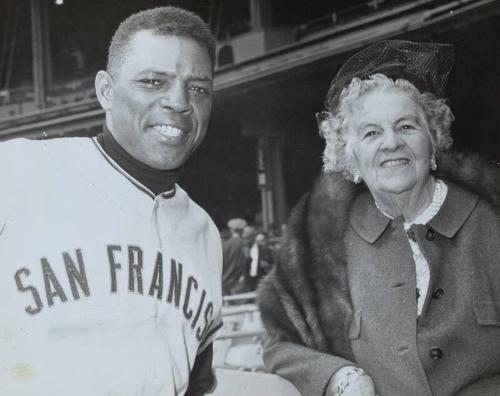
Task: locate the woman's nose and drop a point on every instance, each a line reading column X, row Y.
column 391, row 140
column 176, row 98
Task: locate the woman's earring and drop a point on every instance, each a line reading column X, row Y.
column 434, row 165
column 356, row 177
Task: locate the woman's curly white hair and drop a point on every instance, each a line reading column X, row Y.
column 333, row 124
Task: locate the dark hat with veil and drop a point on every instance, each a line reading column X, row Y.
column 425, row 65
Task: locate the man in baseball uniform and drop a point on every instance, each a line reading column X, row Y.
column 110, row 274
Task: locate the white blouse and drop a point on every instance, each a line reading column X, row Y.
column 421, row 265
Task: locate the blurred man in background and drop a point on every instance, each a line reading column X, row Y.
column 258, row 256
column 234, row 257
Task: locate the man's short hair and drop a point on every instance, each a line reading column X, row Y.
column 162, row 21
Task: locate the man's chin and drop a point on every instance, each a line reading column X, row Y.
column 168, row 163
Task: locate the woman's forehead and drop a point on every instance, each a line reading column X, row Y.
column 384, row 103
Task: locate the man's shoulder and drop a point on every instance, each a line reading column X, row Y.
column 19, row 148
column 22, row 149
column 38, row 163
column 199, row 218
column 193, row 205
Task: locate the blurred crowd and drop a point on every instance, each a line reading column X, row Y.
column 249, row 253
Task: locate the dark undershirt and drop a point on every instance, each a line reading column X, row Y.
column 158, row 181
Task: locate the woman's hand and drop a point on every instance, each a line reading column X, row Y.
column 350, row 381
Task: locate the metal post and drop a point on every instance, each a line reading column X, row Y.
column 278, row 182
column 262, row 180
column 260, row 14
column 46, row 46
column 37, row 48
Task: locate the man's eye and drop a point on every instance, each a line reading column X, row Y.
column 199, row 91
column 370, row 134
column 151, row 82
column 407, row 127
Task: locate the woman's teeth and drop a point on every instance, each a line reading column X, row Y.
column 396, row 162
column 167, row 130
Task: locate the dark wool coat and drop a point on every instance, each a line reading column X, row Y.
column 233, row 263
column 344, row 291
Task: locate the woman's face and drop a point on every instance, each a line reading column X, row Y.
column 389, row 141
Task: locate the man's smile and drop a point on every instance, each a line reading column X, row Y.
column 168, row 130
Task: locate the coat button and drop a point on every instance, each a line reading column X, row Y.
column 430, row 235
column 436, row 353
column 438, row 293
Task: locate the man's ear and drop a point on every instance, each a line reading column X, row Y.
column 104, row 89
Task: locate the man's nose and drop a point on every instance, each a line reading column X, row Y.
column 176, row 98
column 391, row 141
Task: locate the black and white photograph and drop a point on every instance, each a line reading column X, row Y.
column 250, row 198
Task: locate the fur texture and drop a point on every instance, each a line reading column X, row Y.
column 305, row 299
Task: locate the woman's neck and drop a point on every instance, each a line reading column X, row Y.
column 408, row 204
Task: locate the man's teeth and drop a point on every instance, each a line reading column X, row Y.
column 167, row 130
column 396, row 162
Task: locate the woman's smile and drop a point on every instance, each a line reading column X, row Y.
column 395, row 163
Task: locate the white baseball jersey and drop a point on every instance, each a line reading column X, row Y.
column 105, row 289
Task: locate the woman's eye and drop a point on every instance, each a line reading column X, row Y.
column 407, row 127
column 370, row 134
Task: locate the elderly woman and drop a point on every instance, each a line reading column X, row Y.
column 390, row 283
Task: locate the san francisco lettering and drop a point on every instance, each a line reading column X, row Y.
column 168, row 282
